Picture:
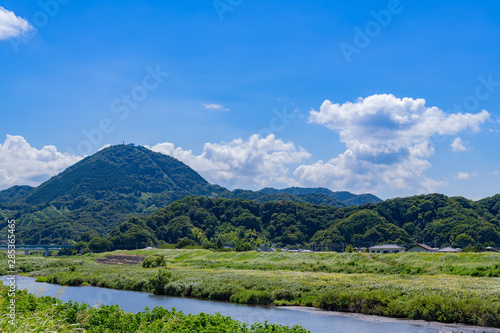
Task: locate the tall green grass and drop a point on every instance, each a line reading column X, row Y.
column 442, row 287
column 48, row 314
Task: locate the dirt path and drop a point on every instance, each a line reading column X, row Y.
column 119, row 259
column 373, row 259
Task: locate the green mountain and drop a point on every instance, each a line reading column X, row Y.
column 259, row 196
column 100, row 192
column 121, row 169
column 432, row 219
column 103, row 190
column 346, row 198
column 14, row 193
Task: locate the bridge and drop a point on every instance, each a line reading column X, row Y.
column 28, row 248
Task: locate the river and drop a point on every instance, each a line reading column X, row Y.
column 317, row 321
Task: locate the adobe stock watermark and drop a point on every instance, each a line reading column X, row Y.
column 372, row 29
column 49, row 10
column 278, row 122
column 121, row 108
column 11, row 264
column 483, row 91
column 224, row 6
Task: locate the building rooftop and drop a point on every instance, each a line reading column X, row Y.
column 386, row 247
column 449, row 249
column 428, row 248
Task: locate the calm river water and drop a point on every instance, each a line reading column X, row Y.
column 312, row 319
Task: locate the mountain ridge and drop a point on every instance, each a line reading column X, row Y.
column 102, row 190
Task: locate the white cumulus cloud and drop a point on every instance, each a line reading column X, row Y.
column 458, row 145
column 11, row 25
column 254, row 163
column 21, row 164
column 388, row 141
column 463, row 176
column 215, row 107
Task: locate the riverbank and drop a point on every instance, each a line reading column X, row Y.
column 37, row 314
column 425, row 293
column 374, row 319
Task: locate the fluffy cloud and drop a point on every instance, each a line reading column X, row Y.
column 388, row 140
column 21, row 164
column 458, row 145
column 463, row 176
column 11, row 25
column 254, row 163
column 215, row 107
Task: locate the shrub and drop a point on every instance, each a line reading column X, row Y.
column 185, row 242
column 154, row 261
column 252, row 297
column 66, row 252
column 99, row 244
column 158, row 282
column 243, row 247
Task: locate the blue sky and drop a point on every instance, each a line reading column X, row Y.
column 244, row 101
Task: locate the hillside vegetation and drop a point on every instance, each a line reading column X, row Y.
column 105, row 189
column 427, row 219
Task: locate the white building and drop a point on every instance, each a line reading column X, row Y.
column 386, row 248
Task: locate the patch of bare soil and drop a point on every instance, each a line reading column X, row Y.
column 121, row 259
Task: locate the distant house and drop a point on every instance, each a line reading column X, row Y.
column 449, row 250
column 386, row 248
column 421, row 248
column 490, row 249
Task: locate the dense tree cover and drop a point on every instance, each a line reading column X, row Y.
column 344, row 197
column 432, row 219
column 14, row 193
column 105, row 189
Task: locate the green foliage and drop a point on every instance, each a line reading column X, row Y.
column 423, row 219
column 154, row 261
column 243, row 247
column 349, row 249
column 82, row 246
column 158, row 281
column 444, row 287
column 14, row 193
column 185, row 243
column 99, row 244
column 67, row 252
column 48, row 314
column 98, row 196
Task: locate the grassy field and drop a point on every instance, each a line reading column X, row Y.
column 462, row 288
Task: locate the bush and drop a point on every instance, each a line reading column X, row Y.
column 167, row 246
column 210, row 246
column 154, row 261
column 158, row 282
column 185, row 242
column 243, row 247
column 257, row 297
column 99, row 244
column 66, row 252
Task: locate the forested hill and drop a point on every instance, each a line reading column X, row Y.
column 14, row 193
column 121, row 169
column 105, row 189
column 100, row 192
column 427, row 219
column 347, row 198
